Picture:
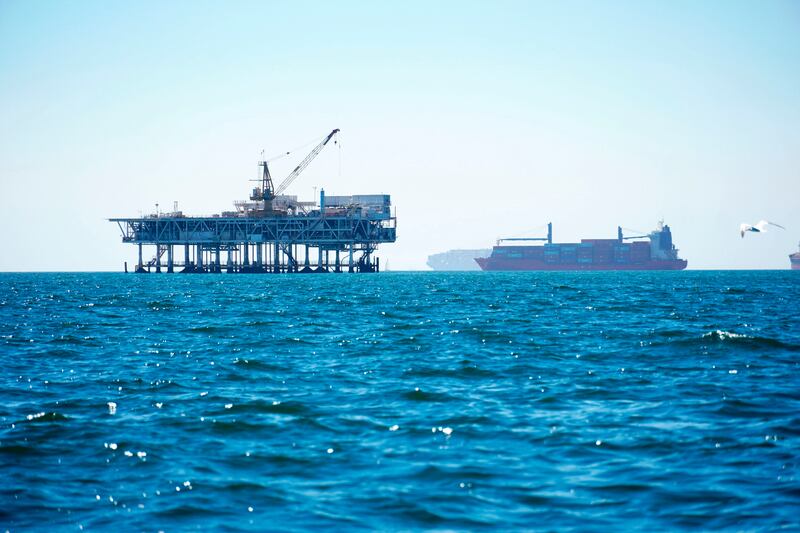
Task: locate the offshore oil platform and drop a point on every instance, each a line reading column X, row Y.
column 270, row 233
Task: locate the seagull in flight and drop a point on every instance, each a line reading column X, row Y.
column 760, row 227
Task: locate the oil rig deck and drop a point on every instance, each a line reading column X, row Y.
column 272, row 233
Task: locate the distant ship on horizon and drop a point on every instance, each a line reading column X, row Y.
column 457, row 260
column 656, row 253
column 794, row 259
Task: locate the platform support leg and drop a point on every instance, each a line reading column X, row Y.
column 350, row 263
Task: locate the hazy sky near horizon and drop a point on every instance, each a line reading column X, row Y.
column 481, row 119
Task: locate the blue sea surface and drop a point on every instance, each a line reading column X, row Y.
column 450, row 401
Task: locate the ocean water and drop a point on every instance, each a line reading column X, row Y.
column 542, row 401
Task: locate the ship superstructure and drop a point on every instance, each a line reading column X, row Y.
column 654, row 251
column 794, row 259
column 270, row 232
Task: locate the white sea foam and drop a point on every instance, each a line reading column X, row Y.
column 723, row 335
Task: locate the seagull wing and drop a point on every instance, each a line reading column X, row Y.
column 744, row 228
column 776, row 225
column 761, row 225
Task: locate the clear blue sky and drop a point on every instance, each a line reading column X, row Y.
column 481, row 119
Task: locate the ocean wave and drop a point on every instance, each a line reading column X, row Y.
column 419, row 395
column 466, row 371
column 43, row 417
column 749, row 341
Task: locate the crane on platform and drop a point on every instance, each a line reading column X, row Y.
column 268, row 192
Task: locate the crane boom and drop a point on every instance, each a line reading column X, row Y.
column 304, row 163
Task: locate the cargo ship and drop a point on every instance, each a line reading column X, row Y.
column 654, row 252
column 794, row 259
column 457, row 260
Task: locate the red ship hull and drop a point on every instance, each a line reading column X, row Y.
column 490, row 264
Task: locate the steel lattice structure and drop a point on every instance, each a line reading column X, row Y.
column 292, row 243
